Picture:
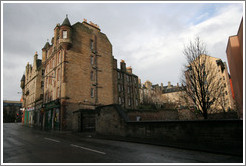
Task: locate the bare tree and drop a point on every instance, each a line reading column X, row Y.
column 200, row 77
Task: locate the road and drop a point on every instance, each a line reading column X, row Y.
column 22, row 144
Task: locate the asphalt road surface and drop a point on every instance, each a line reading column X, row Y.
column 22, row 144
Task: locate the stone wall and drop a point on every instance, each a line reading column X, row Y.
column 223, row 136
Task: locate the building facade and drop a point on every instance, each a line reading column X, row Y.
column 234, row 53
column 32, row 92
column 215, row 79
column 172, row 94
column 79, row 75
column 151, row 94
column 126, row 91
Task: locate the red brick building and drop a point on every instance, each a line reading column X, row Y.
column 234, row 53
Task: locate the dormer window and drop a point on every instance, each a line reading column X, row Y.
column 64, row 34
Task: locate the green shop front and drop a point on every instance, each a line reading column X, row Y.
column 52, row 115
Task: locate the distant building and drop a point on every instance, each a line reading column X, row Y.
column 151, row 94
column 11, row 111
column 127, row 89
column 32, row 91
column 234, row 53
column 79, row 73
column 173, row 94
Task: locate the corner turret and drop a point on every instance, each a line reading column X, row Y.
column 65, row 34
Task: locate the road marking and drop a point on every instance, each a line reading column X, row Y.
column 87, row 149
column 51, row 139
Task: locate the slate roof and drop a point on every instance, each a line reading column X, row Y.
column 47, row 44
column 23, row 77
column 66, row 22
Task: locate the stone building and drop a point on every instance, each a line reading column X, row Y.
column 127, row 88
column 172, row 94
column 234, row 53
column 79, row 75
column 11, row 111
column 217, row 79
column 32, row 91
column 151, row 94
column 160, row 95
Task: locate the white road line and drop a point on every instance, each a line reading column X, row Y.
column 87, row 149
column 51, row 139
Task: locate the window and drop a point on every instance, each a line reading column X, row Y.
column 119, row 100
column 92, row 92
column 226, row 92
column 43, row 72
column 118, row 75
column 58, row 74
column 92, row 76
column 136, row 102
column 58, row 58
column 119, row 87
column 42, row 84
column 91, row 44
column 223, row 77
column 46, row 82
column 64, row 34
column 129, row 101
column 128, row 89
column 224, row 85
column 50, row 81
column 92, row 60
column 58, row 92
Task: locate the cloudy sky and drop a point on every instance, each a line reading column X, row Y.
column 150, row 37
